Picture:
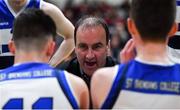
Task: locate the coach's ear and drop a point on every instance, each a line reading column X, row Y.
column 11, row 47
column 173, row 30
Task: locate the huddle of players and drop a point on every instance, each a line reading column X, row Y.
column 150, row 80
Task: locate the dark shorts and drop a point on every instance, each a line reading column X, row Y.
column 6, row 61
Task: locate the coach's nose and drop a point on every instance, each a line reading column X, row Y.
column 90, row 54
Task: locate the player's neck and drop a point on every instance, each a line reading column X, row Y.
column 153, row 52
column 15, row 6
column 31, row 57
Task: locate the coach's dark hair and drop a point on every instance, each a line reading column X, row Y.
column 88, row 21
column 153, row 18
column 33, row 28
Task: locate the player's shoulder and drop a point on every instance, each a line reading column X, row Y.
column 101, row 83
column 75, row 81
column 106, row 72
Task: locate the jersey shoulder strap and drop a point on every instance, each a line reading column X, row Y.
column 66, row 89
column 116, row 87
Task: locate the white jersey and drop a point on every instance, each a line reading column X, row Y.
column 174, row 54
column 7, row 16
column 138, row 85
column 35, row 86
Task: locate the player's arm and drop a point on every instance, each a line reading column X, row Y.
column 80, row 90
column 64, row 28
column 100, row 85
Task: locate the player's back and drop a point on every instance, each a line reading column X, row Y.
column 35, row 86
column 141, row 85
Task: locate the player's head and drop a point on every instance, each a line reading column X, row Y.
column 33, row 30
column 153, row 19
column 91, row 40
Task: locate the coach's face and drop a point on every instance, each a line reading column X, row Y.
column 91, row 48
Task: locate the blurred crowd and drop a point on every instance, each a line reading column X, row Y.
column 114, row 15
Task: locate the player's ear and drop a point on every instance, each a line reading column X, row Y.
column 11, row 46
column 173, row 30
column 51, row 48
column 132, row 28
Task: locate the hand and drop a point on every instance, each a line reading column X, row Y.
column 128, row 52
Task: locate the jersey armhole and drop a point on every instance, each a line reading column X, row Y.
column 61, row 77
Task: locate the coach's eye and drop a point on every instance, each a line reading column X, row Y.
column 97, row 46
column 82, row 46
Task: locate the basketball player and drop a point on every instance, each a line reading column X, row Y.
column 174, row 42
column 128, row 53
column 31, row 83
column 10, row 9
column 151, row 80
